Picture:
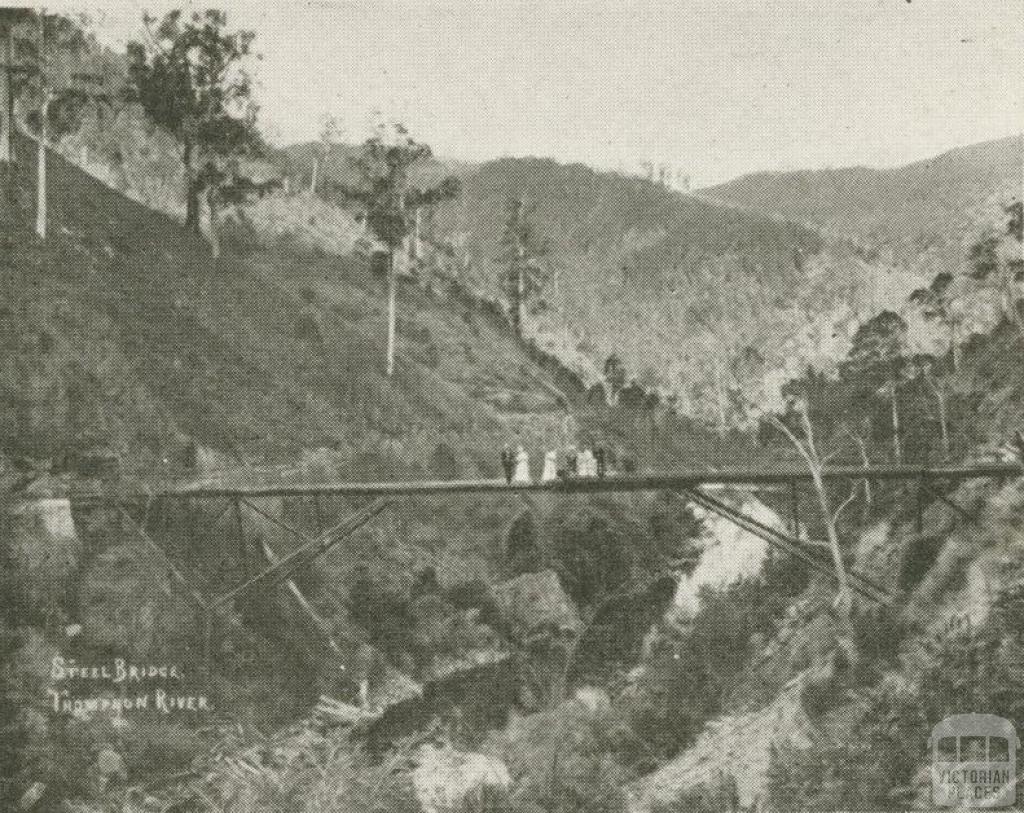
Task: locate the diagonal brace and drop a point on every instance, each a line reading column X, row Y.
column 859, row 583
column 305, row 554
column 319, row 622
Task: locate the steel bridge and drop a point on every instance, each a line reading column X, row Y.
column 133, row 505
column 684, row 478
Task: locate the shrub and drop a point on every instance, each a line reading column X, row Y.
column 568, row 760
column 872, row 770
column 475, row 595
column 878, row 633
column 591, row 557
column 443, row 464
column 722, row 796
column 688, row 672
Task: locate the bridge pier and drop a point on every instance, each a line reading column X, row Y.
column 319, row 514
column 794, row 502
column 922, row 486
column 243, row 547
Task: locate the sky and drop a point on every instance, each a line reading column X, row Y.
column 715, row 89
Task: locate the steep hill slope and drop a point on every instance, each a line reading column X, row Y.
column 119, row 330
column 906, row 210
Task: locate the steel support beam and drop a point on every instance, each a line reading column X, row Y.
column 858, row 582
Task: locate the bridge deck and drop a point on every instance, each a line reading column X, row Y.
column 613, row 483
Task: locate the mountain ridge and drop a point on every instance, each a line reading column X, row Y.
column 906, row 208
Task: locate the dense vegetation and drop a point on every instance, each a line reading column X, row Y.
column 548, row 305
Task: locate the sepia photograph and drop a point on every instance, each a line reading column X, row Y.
column 539, row 406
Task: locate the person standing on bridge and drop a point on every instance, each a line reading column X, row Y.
column 588, row 463
column 601, row 465
column 508, row 462
column 571, row 463
column 522, row 473
column 550, row 466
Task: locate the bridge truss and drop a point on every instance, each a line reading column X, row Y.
column 133, row 509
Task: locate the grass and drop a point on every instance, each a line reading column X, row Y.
column 129, row 335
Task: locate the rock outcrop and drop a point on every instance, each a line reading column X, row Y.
column 446, row 779
column 534, row 603
column 43, row 549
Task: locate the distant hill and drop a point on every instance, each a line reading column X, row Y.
column 711, row 296
column 634, row 266
column 907, row 210
column 338, row 165
column 607, row 225
column 679, row 287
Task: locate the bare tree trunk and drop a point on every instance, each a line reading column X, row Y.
column 833, row 542
column 809, row 451
column 519, row 299
column 943, row 422
column 414, row 249
column 41, row 172
column 191, row 192
column 866, row 462
column 313, row 174
column 954, row 344
column 897, row 446
column 940, row 398
column 392, row 302
column 723, row 427
column 212, row 205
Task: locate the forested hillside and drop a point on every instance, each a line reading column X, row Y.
column 709, row 304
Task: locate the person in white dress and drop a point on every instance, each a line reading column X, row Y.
column 522, row 474
column 550, row 466
column 588, row 464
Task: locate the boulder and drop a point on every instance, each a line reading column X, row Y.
column 445, row 779
column 534, row 603
column 43, row 549
column 593, row 699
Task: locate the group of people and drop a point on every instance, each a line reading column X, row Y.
column 564, row 465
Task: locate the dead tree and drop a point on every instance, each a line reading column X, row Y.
column 808, row 449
